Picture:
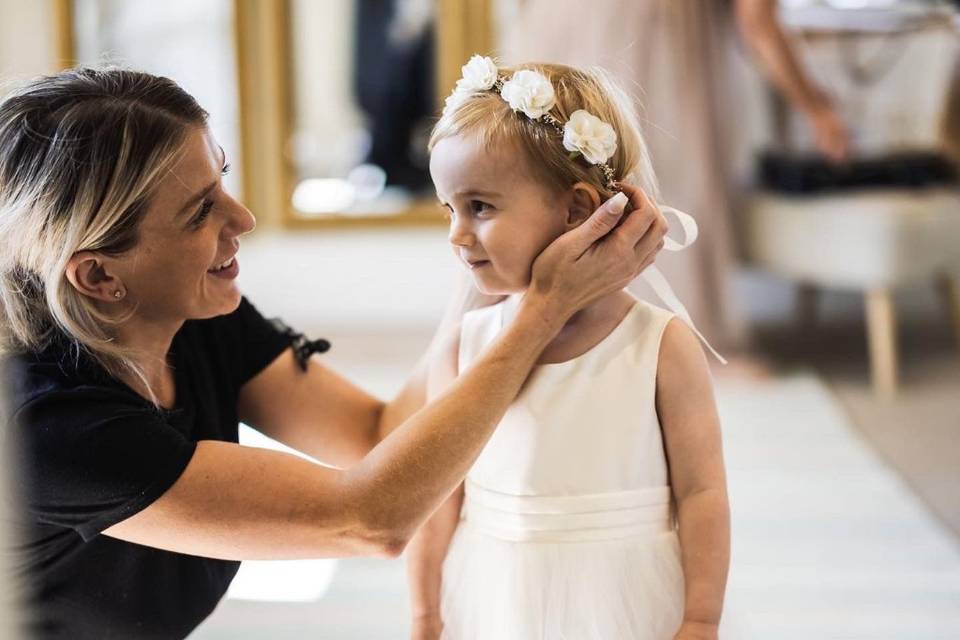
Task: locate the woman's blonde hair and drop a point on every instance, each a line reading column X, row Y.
column 81, row 153
column 486, row 115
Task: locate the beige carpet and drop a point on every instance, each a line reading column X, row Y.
column 918, row 431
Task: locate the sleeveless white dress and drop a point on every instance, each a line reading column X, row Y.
column 568, row 525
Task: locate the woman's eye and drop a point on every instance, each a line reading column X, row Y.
column 202, row 213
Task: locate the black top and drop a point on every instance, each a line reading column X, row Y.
column 92, row 453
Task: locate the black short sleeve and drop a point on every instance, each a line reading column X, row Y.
column 95, row 459
column 261, row 339
column 242, row 342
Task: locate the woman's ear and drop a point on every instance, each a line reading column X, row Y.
column 89, row 275
column 584, row 200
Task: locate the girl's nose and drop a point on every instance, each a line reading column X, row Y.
column 460, row 233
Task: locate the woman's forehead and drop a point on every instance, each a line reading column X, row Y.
column 198, row 165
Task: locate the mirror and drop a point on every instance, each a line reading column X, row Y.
column 169, row 39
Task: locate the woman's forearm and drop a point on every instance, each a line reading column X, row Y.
column 704, row 521
column 405, row 477
column 413, row 395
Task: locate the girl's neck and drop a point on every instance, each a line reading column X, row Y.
column 587, row 328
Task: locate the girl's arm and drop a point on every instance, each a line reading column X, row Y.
column 425, row 557
column 429, row 546
column 691, row 428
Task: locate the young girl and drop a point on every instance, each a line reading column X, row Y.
column 598, row 510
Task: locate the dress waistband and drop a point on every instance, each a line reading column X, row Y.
column 578, row 518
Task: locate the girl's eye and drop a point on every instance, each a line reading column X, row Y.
column 202, row 213
column 478, row 206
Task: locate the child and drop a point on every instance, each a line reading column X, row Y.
column 598, row 510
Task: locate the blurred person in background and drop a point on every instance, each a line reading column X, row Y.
column 674, row 55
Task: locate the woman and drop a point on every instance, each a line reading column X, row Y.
column 673, row 54
column 134, row 356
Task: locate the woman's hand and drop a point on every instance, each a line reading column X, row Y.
column 426, row 627
column 696, row 631
column 600, row 256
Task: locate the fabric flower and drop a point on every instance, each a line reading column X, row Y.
column 479, row 74
column 530, row 92
column 455, row 99
column 590, row 136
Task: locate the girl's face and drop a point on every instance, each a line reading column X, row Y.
column 190, row 230
column 501, row 218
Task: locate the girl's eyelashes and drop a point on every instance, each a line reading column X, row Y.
column 476, row 207
column 479, row 206
column 226, row 169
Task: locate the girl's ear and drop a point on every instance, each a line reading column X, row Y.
column 584, row 200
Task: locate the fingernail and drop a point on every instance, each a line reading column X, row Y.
column 617, row 203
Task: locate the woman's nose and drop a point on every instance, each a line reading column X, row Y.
column 241, row 220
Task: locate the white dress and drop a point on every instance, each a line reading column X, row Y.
column 568, row 523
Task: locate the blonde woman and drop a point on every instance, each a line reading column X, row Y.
column 133, row 357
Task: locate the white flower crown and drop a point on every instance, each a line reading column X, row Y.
column 530, row 92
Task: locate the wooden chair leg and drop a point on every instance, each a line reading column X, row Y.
column 882, row 338
column 950, row 291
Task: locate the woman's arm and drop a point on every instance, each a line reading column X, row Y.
column 243, row 503
column 691, row 429
column 328, row 417
column 761, row 29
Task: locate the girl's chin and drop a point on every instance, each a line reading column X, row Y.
column 488, row 287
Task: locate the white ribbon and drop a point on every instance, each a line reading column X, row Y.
column 659, row 283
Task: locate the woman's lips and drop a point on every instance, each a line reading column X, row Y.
column 231, row 271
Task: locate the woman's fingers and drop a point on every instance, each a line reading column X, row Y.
column 598, row 224
column 643, row 229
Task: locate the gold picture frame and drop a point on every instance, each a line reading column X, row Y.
column 263, row 73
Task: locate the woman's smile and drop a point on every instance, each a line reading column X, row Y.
column 227, row 270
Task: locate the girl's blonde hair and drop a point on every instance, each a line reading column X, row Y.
column 81, row 153
column 486, row 115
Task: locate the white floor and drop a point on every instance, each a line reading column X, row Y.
column 828, row 543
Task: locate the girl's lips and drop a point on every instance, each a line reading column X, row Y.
column 478, row 264
column 228, row 273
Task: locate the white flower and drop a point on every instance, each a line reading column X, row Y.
column 587, row 134
column 530, row 92
column 479, row 74
column 455, row 99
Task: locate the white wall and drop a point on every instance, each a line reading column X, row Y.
column 26, row 42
